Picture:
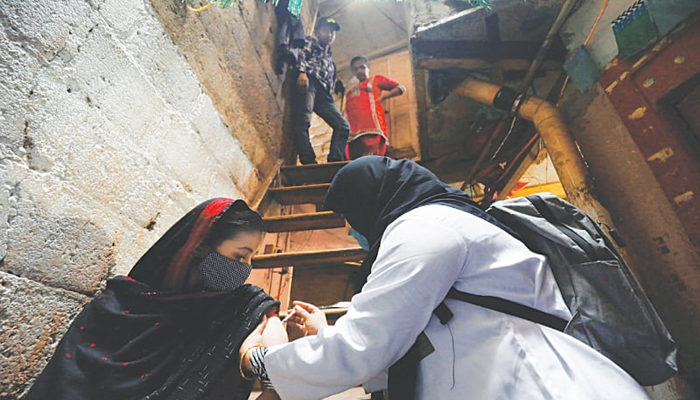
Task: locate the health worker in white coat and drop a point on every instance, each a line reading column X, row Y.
column 426, row 238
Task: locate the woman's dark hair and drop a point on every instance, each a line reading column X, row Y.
column 358, row 58
column 231, row 224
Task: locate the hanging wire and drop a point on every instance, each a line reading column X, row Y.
column 198, row 9
column 190, row 4
column 503, row 142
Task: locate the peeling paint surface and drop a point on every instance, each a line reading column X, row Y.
column 662, row 155
column 683, row 198
column 610, row 87
column 638, row 113
column 639, row 62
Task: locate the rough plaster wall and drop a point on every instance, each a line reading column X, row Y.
column 228, row 58
column 230, row 51
column 106, row 139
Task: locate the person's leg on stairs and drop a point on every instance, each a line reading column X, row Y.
column 325, row 108
column 302, row 109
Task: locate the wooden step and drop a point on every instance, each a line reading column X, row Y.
column 293, row 175
column 311, row 194
column 304, row 222
column 308, row 258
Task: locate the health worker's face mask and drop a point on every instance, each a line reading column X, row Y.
column 222, row 274
column 361, row 239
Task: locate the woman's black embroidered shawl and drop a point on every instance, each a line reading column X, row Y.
column 147, row 337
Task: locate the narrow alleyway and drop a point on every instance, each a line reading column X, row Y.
column 116, row 117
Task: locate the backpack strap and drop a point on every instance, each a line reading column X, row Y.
column 544, row 211
column 507, row 307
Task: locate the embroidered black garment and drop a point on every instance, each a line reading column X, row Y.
column 137, row 340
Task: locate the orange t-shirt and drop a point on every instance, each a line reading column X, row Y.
column 365, row 114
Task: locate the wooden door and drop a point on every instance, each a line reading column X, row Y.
column 401, row 111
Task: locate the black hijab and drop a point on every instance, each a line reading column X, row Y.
column 150, row 336
column 372, row 192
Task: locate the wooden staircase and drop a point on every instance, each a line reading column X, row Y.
column 305, row 186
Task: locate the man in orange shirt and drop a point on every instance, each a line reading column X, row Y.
column 365, row 111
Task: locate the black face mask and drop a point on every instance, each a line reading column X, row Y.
column 222, row 274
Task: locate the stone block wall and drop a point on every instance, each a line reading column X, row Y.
column 116, row 117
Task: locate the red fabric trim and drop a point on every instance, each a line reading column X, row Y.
column 177, row 272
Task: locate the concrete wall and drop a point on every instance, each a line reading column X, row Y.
column 107, row 137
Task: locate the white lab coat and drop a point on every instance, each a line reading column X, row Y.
column 480, row 354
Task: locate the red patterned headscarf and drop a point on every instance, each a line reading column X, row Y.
column 166, row 264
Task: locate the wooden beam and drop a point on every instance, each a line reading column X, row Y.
column 312, row 173
column 481, row 64
column 306, row 194
column 420, row 82
column 483, row 49
column 303, row 222
column 308, row 258
column 262, row 190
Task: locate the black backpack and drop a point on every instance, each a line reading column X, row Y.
column 610, row 311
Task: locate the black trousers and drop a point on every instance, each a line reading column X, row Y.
column 319, row 100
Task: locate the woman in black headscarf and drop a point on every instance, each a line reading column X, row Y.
column 171, row 329
column 427, row 238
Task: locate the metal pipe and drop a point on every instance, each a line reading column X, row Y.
column 564, row 12
column 550, row 124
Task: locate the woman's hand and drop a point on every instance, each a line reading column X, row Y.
column 295, row 329
column 307, row 317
